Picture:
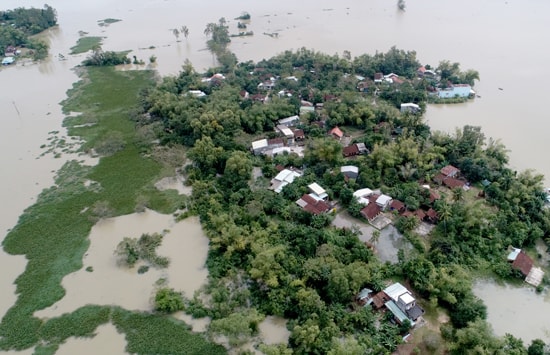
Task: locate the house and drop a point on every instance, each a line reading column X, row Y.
column 285, row 131
column 456, row 90
column 350, row 171
column 432, row 216
column 398, row 206
column 423, row 72
column 290, row 121
column 452, row 183
column 196, row 93
column 371, row 211
column 450, row 171
column 402, row 303
column 10, row 51
column 383, row 201
column 283, row 178
column 299, row 134
column 524, row 264
column 363, row 86
column 263, row 145
column 267, row 85
column 410, row 107
column 336, row 133
column 312, row 205
column 354, row 149
column 378, row 77
column 317, row 191
column 259, row 146
column 363, row 195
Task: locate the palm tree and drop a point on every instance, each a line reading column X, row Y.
column 458, row 194
column 444, row 211
column 185, row 31
column 176, row 33
column 375, row 237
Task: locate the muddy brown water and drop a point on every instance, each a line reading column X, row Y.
column 500, row 39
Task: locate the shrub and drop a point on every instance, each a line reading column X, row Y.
column 168, row 301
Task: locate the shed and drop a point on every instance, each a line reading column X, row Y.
column 336, row 132
column 383, row 201
column 290, row 121
column 316, row 189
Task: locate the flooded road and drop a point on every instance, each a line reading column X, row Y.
column 499, row 39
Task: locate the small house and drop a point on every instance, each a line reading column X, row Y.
column 402, row 303
column 383, row 201
column 285, row 131
column 371, row 211
column 350, row 171
column 397, row 206
column 524, row 264
column 456, row 90
column 290, row 121
column 378, row 77
column 363, row 195
column 283, row 178
column 336, row 133
column 450, row 171
column 259, row 146
column 299, row 134
column 410, row 107
column 317, row 191
column 312, row 205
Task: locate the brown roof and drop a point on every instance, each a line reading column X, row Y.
column 371, row 211
column 397, row 80
column 277, row 140
column 350, row 150
column 336, row 132
column 314, row 206
column 299, row 133
column 523, row 263
column 378, row 76
column 434, row 195
column 420, row 214
column 432, row 214
column 452, row 183
column 397, row 205
column 449, row 170
column 380, row 299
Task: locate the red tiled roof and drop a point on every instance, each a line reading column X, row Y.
column 350, row 150
column 434, row 195
column 336, row 132
column 373, row 198
column 449, row 170
column 523, row 263
column 371, row 211
column 420, row 214
column 378, row 76
column 277, row 140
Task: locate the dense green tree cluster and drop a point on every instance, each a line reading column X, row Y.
column 18, row 24
column 269, row 255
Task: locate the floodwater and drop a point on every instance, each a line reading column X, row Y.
column 110, row 284
column 106, row 341
column 273, row 330
column 519, row 311
column 503, row 40
column 390, row 240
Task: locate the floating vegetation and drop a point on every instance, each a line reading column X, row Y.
column 106, row 22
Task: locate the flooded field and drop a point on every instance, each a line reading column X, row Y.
column 111, row 284
column 106, row 341
column 516, row 310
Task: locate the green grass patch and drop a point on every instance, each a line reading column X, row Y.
column 53, row 233
column 107, row 21
column 85, row 44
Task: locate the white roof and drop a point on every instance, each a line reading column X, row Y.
column 363, row 192
column 383, row 199
column 315, row 188
column 362, row 200
column 289, row 120
column 395, row 290
column 262, row 143
column 514, row 254
column 197, row 93
column 280, row 150
column 287, row 175
column 285, row 130
column 8, row 60
column 406, row 298
column 409, row 104
column 349, row 168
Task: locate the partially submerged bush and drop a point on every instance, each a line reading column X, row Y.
column 167, row 300
column 130, row 250
column 100, row 58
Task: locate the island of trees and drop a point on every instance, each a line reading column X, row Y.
column 16, row 27
column 270, row 256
